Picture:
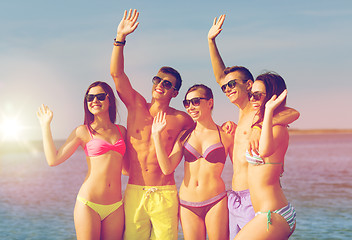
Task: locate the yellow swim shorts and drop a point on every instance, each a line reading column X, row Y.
column 151, row 212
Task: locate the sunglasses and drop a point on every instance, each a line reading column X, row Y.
column 256, row 95
column 195, row 102
column 100, row 96
column 231, row 84
column 165, row 83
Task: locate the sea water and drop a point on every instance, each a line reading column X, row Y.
column 37, row 201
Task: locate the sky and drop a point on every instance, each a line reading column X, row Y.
column 51, row 51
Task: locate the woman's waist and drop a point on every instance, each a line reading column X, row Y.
column 201, row 192
column 267, row 199
column 101, row 195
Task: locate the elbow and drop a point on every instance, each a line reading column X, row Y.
column 167, row 171
column 116, row 75
column 265, row 152
column 297, row 115
column 52, row 164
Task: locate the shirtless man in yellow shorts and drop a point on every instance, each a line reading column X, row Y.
column 151, row 201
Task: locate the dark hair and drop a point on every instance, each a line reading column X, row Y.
column 174, row 73
column 208, row 94
column 244, row 71
column 88, row 116
column 274, row 85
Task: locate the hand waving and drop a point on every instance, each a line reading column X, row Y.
column 45, row 115
column 216, row 28
column 275, row 101
column 159, row 123
column 128, row 23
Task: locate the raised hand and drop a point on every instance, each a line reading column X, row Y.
column 159, row 123
column 45, row 115
column 216, row 28
column 275, row 101
column 128, row 23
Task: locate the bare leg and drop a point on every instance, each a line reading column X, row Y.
column 217, row 221
column 256, row 229
column 193, row 226
column 113, row 225
column 87, row 222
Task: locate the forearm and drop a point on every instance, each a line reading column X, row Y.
column 286, row 116
column 163, row 158
column 266, row 142
column 216, row 60
column 49, row 146
column 117, row 59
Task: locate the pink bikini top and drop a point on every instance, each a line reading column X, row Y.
column 96, row 147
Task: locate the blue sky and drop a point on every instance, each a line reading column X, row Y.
column 50, row 52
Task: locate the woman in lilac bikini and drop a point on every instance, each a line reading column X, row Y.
column 205, row 146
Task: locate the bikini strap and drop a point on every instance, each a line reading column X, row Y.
column 119, row 130
column 219, row 133
column 89, row 132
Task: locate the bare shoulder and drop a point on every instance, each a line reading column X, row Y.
column 81, row 130
column 183, row 117
column 80, row 133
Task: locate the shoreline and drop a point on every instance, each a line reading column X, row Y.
column 318, row 131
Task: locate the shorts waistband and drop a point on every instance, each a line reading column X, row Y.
column 149, row 188
column 242, row 193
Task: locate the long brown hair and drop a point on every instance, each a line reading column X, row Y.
column 274, row 85
column 88, row 116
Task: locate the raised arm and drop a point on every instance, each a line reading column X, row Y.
column 123, row 86
column 54, row 157
column 216, row 60
column 267, row 145
column 286, row 116
column 167, row 163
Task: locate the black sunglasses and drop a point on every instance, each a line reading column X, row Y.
column 100, row 96
column 165, row 83
column 231, row 84
column 256, row 95
column 194, row 101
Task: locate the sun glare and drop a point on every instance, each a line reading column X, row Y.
column 10, row 129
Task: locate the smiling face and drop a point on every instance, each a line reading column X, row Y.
column 98, row 106
column 239, row 93
column 199, row 106
column 258, row 94
column 159, row 91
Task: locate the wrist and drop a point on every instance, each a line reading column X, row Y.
column 119, row 43
column 121, row 37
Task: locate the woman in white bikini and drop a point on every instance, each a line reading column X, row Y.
column 275, row 217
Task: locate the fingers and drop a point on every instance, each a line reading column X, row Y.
column 221, row 20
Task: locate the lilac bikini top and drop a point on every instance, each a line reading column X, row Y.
column 213, row 154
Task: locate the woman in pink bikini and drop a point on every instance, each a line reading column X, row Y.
column 205, row 146
column 98, row 212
